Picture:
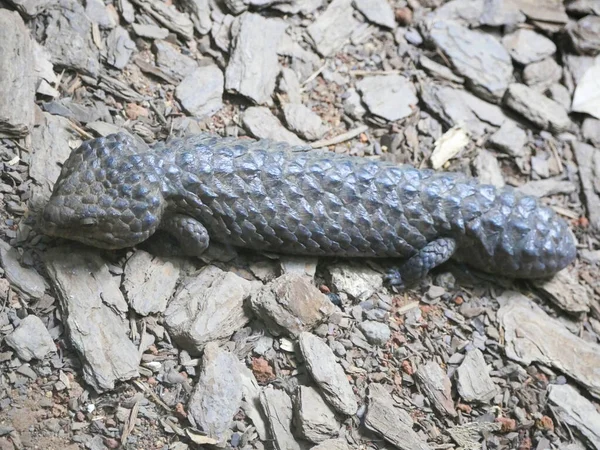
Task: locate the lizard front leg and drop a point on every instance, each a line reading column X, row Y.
column 190, row 234
column 416, row 268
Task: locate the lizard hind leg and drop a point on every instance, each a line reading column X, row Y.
column 416, row 267
column 190, row 234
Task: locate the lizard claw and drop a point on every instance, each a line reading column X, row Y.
column 394, row 279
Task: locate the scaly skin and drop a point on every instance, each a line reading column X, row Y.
column 269, row 196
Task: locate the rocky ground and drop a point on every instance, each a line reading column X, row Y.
column 134, row 349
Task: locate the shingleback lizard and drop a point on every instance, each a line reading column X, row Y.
column 273, row 197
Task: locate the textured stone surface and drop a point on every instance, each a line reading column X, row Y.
column 208, row 306
column 473, row 382
column 333, row 28
column 291, row 304
column 217, row 396
column 253, row 67
column 390, row 97
column 392, row 423
column 17, row 89
column 328, row 374
column 526, row 46
column 532, row 335
column 201, row 92
column 536, row 107
column 94, row 314
column 477, row 56
column 149, row 282
column 31, row 339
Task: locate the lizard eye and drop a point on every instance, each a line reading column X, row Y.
column 88, row 222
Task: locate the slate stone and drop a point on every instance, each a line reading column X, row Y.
column 477, row 56
column 253, row 66
column 536, row 107
column 31, row 339
column 333, row 27
column 526, row 46
column 391, row 97
column 377, row 11
column 217, row 396
column 201, row 92
column 69, row 39
column 17, row 78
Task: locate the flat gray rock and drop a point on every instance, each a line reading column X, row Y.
column 208, row 306
column 391, row 97
column 392, row 423
column 332, row 444
column 458, row 107
column 501, row 12
column 526, row 46
column 251, row 401
column 299, row 265
column 532, row 335
column 586, row 98
column 303, row 121
column 353, row 105
column 509, row 138
column 545, row 188
column 304, row 7
column 290, row 85
column 438, row 70
column 253, row 67
column 552, row 12
column 566, row 292
column 328, row 374
column 591, row 131
column 377, row 333
column 542, row 74
column 463, row 12
column 536, row 107
column 584, row 7
column 585, row 35
column 577, row 411
column 17, row 77
column 168, row 16
column 359, row 282
column 217, row 395
column 333, row 28
column 379, row 12
column 488, row 168
column 200, row 13
column 262, row 124
column 32, row 8
column 201, row 92
column 98, row 13
column 291, row 304
column 23, row 279
column 477, row 56
column 120, row 48
column 150, row 31
column 221, row 31
column 588, row 162
column 172, row 61
column 31, row 339
column 278, row 409
column 94, row 312
column 560, row 94
column 437, row 387
column 50, row 142
column 473, row 379
column 149, row 282
column 316, row 420
column 69, row 39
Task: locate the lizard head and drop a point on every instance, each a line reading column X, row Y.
column 104, row 196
